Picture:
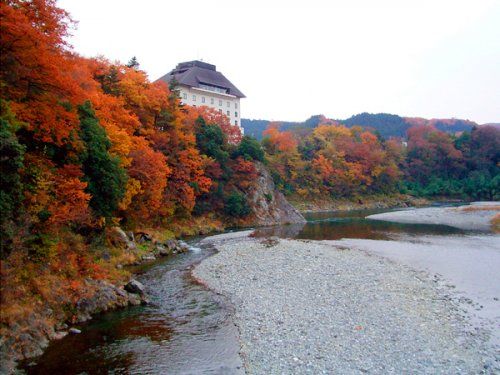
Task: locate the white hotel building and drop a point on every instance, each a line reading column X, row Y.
column 200, row 84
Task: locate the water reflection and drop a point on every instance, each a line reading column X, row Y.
column 338, row 225
column 285, row 231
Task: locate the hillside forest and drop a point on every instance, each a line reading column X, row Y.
column 334, row 161
column 88, row 144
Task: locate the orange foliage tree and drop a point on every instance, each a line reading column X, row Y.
column 332, row 161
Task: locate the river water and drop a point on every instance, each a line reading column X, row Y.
column 187, row 328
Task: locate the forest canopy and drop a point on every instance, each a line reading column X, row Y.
column 334, row 161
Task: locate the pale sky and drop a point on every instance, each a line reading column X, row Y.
column 294, row 59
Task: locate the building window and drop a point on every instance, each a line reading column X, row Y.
column 236, row 122
column 235, row 114
column 228, row 113
column 220, row 110
column 229, row 104
column 184, row 95
column 194, row 98
column 214, row 88
column 211, row 100
column 220, row 102
column 236, row 105
column 203, row 99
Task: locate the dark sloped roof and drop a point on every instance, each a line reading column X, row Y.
column 194, row 73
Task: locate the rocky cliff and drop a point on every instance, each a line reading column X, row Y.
column 269, row 206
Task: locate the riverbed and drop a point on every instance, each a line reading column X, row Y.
column 190, row 328
column 322, row 307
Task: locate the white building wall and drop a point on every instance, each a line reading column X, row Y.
column 229, row 105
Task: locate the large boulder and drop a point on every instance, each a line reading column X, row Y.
column 103, row 296
column 118, row 238
column 135, row 287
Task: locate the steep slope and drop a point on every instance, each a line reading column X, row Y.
column 269, row 206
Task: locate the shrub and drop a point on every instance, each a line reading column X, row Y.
column 250, row 149
column 236, row 205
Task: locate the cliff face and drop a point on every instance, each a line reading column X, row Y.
column 269, row 206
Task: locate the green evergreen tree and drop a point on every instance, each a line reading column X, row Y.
column 236, row 205
column 212, row 141
column 11, row 161
column 110, row 81
column 105, row 177
column 250, row 149
column 133, row 63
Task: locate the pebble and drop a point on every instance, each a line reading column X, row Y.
column 339, row 311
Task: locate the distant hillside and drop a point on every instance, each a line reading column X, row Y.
column 255, row 128
column 494, row 124
column 387, row 125
column 447, row 125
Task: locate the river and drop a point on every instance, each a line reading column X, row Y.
column 187, row 328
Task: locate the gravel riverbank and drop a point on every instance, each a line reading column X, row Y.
column 315, row 307
column 469, row 264
column 476, row 216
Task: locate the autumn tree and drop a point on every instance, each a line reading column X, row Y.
column 282, row 153
column 36, row 69
column 214, row 117
column 149, row 175
column 332, row 161
column 432, row 153
column 481, row 148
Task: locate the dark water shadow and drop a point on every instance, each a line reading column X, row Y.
column 186, row 329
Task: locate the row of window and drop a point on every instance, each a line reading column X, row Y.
column 214, row 88
column 228, row 113
column 212, row 100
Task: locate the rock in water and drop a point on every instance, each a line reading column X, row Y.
column 182, row 247
column 135, row 286
column 162, row 250
column 269, row 205
column 171, row 245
